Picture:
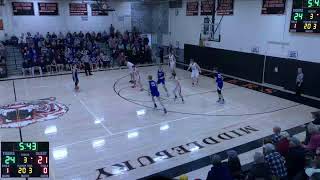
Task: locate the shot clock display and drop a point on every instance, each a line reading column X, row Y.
column 305, row 16
column 24, row 159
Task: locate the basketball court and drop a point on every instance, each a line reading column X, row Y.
column 266, row 52
column 109, row 130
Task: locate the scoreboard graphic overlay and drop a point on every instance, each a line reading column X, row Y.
column 24, row 159
column 305, row 16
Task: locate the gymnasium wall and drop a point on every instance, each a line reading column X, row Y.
column 239, row 64
column 281, row 72
column 121, row 19
column 246, row 29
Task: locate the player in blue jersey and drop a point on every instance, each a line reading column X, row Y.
column 155, row 93
column 219, row 82
column 162, row 80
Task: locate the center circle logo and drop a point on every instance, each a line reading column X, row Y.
column 23, row 113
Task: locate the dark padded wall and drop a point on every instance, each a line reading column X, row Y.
column 250, row 67
column 286, row 76
column 243, row 65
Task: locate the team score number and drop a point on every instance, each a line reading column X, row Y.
column 310, row 26
column 42, row 160
column 298, row 16
column 45, row 170
column 24, row 170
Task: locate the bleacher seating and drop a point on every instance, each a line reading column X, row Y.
column 3, row 61
column 56, row 52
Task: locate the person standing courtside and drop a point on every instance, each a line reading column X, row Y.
column 299, row 82
column 161, row 54
column 86, row 62
column 75, row 76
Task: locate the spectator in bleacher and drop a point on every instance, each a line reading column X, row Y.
column 60, row 36
column 234, row 164
column 53, row 65
column 3, row 50
column 81, row 35
column 111, row 30
column 41, row 43
column 106, row 60
column 219, row 170
column 161, row 54
column 37, row 67
column 314, row 142
column 47, row 62
column 283, row 145
column 93, row 61
column 99, row 37
column 24, row 52
column 276, row 135
column 54, row 36
column 148, row 54
column 2, row 60
column 316, row 121
column 25, row 67
column 48, row 36
column 121, row 58
column 170, row 48
column 29, row 39
column 22, row 40
column 276, row 162
column 259, row 169
column 295, row 159
column 50, row 46
column 59, row 62
column 42, row 64
column 316, row 117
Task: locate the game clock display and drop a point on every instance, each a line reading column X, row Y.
column 24, row 159
column 305, row 16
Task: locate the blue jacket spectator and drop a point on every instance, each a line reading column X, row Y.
column 219, row 171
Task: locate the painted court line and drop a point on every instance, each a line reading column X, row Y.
column 135, row 129
column 143, row 147
column 91, row 113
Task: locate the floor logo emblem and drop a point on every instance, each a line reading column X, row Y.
column 21, row 114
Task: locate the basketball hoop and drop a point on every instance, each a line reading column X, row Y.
column 210, row 32
column 104, row 5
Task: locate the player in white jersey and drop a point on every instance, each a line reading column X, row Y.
column 172, row 63
column 177, row 88
column 130, row 67
column 137, row 79
column 195, row 71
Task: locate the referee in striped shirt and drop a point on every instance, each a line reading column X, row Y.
column 299, row 82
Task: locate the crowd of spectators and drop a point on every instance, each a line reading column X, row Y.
column 3, row 68
column 283, row 158
column 57, row 52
